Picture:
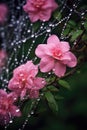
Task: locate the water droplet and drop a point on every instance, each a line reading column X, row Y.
column 43, row 81
column 33, row 41
column 48, row 30
column 74, row 43
column 15, row 99
column 24, row 40
column 29, row 31
column 17, row 110
column 10, row 121
column 41, row 27
column 49, row 73
column 32, row 35
column 53, row 69
column 38, row 99
column 29, row 115
column 41, row 94
column 50, row 25
column 32, row 112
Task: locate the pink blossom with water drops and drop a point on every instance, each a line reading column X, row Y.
column 25, row 81
column 40, row 9
column 55, row 55
column 7, row 107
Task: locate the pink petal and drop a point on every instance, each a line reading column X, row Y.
column 45, row 15
column 64, row 46
column 46, row 64
column 39, row 83
column 65, row 57
column 53, row 41
column 15, row 111
column 34, row 94
column 54, row 5
column 28, row 7
column 3, row 111
column 73, row 61
column 41, row 50
column 59, row 69
column 50, row 4
column 12, row 97
column 18, row 69
column 3, row 93
column 31, row 69
column 13, row 84
column 33, row 16
column 29, row 82
column 23, row 93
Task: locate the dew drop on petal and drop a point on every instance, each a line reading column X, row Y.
column 10, row 121
column 43, row 81
column 17, row 110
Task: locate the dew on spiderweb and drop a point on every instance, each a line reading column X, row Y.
column 18, row 34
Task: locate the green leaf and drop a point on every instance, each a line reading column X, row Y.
column 36, row 26
column 75, row 34
column 51, row 101
column 52, row 88
column 85, row 25
column 72, row 23
column 64, row 84
column 26, row 108
column 57, row 15
column 58, row 97
column 66, row 31
column 53, row 107
column 84, row 37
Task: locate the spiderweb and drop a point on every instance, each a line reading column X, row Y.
column 19, row 37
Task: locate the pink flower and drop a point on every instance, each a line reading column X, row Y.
column 55, row 55
column 3, row 13
column 7, row 107
column 40, row 9
column 24, row 80
column 3, row 57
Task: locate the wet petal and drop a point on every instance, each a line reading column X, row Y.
column 59, row 69
column 46, row 64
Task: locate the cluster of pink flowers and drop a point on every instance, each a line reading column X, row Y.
column 3, row 13
column 40, row 9
column 55, row 56
column 23, row 83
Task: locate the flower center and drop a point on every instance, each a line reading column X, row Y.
column 57, row 54
column 38, row 3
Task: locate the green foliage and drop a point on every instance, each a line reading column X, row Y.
column 75, row 34
column 57, row 15
column 36, row 26
column 64, row 84
column 85, row 25
column 51, row 102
